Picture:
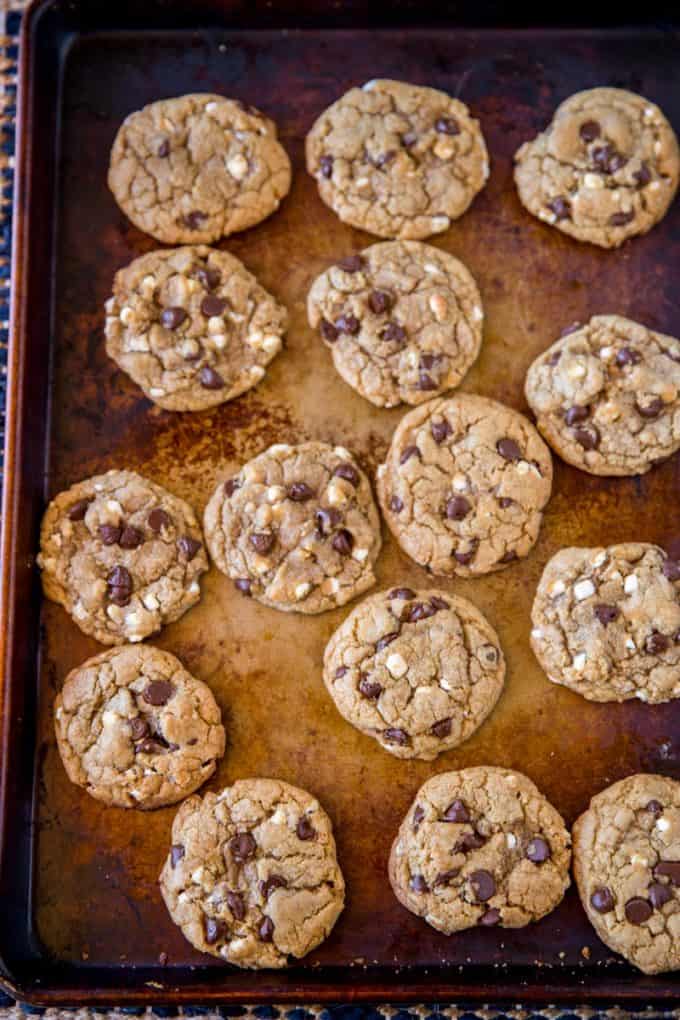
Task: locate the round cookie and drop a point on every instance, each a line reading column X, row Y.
column 627, row 869
column 418, row 671
column 480, row 847
column 607, row 396
column 397, row 160
column 196, row 168
column 135, row 729
column 296, row 528
column 252, row 875
column 192, row 327
column 606, row 622
column 605, row 169
column 403, row 321
column 122, row 555
column 464, row 485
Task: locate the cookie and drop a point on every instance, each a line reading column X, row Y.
column 296, row 528
column 464, row 485
column 122, row 555
column 627, row 869
column 480, row 847
column 418, row 671
column 135, row 729
column 605, row 169
column 192, row 327
column 252, row 875
column 607, row 396
column 403, row 321
column 196, row 168
column 606, row 622
column 397, row 160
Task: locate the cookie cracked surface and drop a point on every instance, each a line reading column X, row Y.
column 607, row 396
column 296, row 528
column 481, row 846
column 252, row 875
column 402, row 320
column 192, row 327
column 122, row 555
column 418, row 671
column 627, row 869
column 604, row 170
column 464, row 485
column 396, row 159
column 198, row 167
column 606, row 622
column 136, row 729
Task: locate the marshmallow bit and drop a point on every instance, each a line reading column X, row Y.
column 579, row 661
column 630, row 585
column 396, row 665
column 583, row 590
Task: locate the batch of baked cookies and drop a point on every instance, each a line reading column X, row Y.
column 252, row 875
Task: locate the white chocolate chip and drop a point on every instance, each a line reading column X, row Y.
column 331, row 586
column 536, row 633
column 440, row 222
column 459, row 483
column 576, row 369
column 150, row 601
column 340, row 451
column 444, row 149
column 215, row 324
column 511, row 840
column 218, row 340
column 109, row 718
column 556, row 588
column 606, row 353
column 663, row 824
column 256, row 372
column 278, row 449
column 237, row 166
column 137, row 343
column 477, row 313
column 396, row 665
column 210, row 107
column 630, row 585
column 638, row 861
column 302, row 590
column 360, row 555
column 600, row 559
column 194, row 588
column 126, row 315
column 275, row 493
column 271, row 343
column 336, row 494
column 433, row 270
column 188, row 348
column 157, row 391
column 579, row 661
column 438, row 307
column 370, row 85
column 593, row 181
column 630, row 644
column 583, row 590
column 444, row 684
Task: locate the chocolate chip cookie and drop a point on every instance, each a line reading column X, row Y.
column 605, row 169
column 607, row 396
column 135, row 729
column 296, row 528
column 627, row 869
column 480, row 847
column 122, row 555
column 403, row 321
column 418, row 671
column 196, row 168
column 252, row 875
column 397, row 160
column 192, row 327
column 464, row 485
column 606, row 622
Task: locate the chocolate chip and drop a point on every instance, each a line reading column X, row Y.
column 561, row 207
column 441, row 729
column 469, row 841
column 212, row 305
column 671, row 569
column 504, row 502
column 79, row 509
column 261, row 541
column 457, row 508
column 642, row 176
column 328, row 331
column 386, row 640
column 602, row 900
column 447, row 126
column 326, row 166
column 130, row 537
column 158, row 519
column 418, row 815
column 393, row 333
column 138, row 728
column 300, row 492
column 348, row 472
column 401, row 593
column 440, row 430
column 194, row 218
column 163, row 149
column 379, row 301
column 656, row 643
column 271, row 883
column 236, row 904
column 396, row 504
column 153, row 745
column 370, row 689
column 508, row 449
column 110, row 533
column 438, row 603
column 490, row 918
column 628, row 356
column 340, row 672
column 343, row 542
column 607, row 159
column 638, row 910
column 483, row 885
column 509, row 557
column 348, row 324
column 444, row 877
column 351, row 264
column 619, row 219
column 418, row 884
column 188, row 546
column 589, row 439
column 589, row 130
column 655, row 808
column 457, row 812
column 327, row 518
column 409, row 139
column 567, row 331
column 659, row 894
column 606, row 613
column 418, row 611
column 576, row 413
column 394, row 735
column 158, row 692
column 651, row 410
column 119, row 584
column 668, row 869
column 426, row 382
column 208, row 277
column 242, row 847
column 266, row 930
column 384, row 158
column 464, row 558
column 210, row 379
column 231, row 485
column 408, row 452
column 538, row 850
column 171, row 318
column 244, row 585
column 213, row 929
column 304, row 829
column 176, row 854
